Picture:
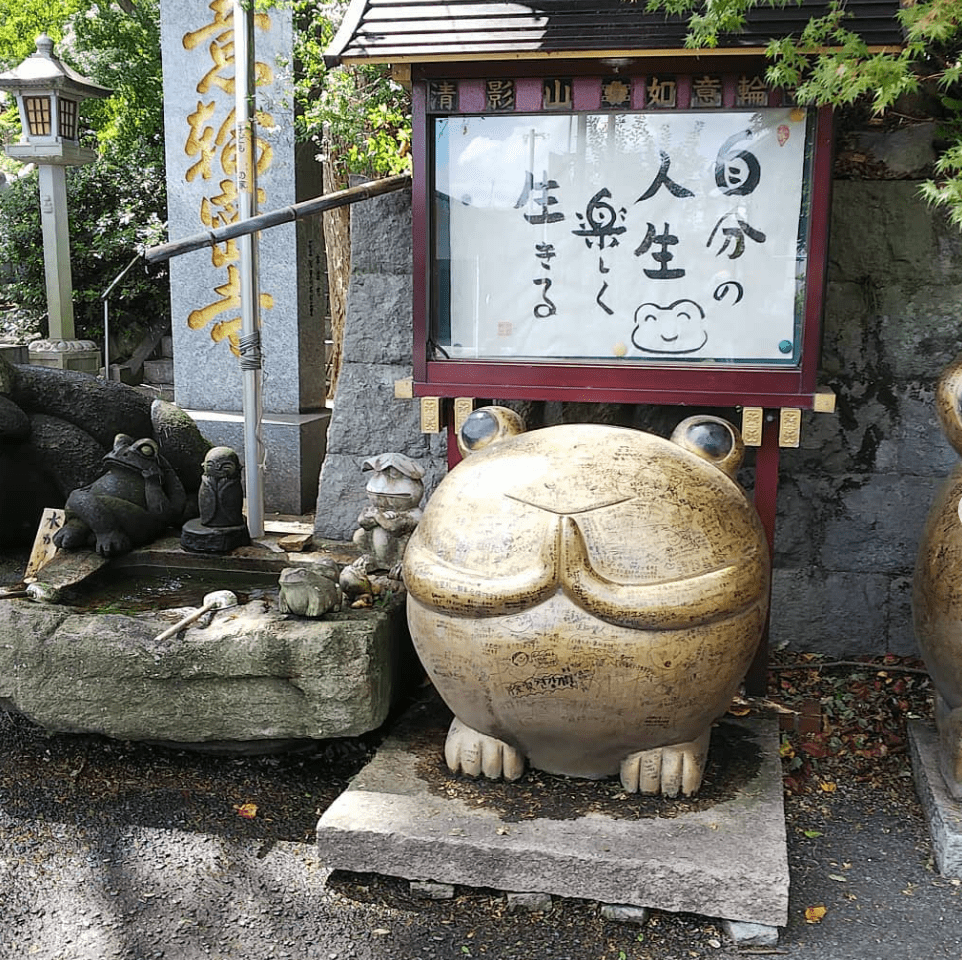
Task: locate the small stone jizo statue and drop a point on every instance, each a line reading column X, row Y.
column 221, row 526
column 394, row 490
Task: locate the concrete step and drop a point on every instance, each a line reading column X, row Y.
column 164, row 391
column 159, row 371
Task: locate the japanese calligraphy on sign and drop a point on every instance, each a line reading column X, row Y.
column 216, row 154
column 656, row 236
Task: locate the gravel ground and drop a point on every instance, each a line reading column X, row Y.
column 117, row 850
column 112, row 850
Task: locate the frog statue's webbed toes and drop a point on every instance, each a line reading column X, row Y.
column 72, row 535
column 667, row 770
column 112, row 543
column 475, row 754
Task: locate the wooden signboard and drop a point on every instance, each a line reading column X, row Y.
column 648, row 240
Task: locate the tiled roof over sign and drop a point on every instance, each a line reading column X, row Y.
column 428, row 30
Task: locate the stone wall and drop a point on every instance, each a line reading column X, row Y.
column 855, row 495
column 853, row 498
column 366, row 419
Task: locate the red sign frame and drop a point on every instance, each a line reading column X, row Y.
column 602, row 381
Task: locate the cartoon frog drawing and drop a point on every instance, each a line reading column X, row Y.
column 676, row 329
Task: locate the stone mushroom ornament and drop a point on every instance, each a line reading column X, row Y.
column 937, row 589
column 587, row 598
column 385, row 525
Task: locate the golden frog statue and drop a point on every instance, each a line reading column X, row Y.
column 937, row 589
column 588, row 598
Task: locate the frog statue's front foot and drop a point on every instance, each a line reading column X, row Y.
column 667, row 770
column 474, row 754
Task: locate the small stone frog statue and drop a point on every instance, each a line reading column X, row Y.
column 394, row 490
column 937, row 589
column 221, row 526
column 310, row 591
column 133, row 503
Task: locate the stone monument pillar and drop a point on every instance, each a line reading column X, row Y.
column 197, row 46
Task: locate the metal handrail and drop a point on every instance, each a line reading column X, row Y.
column 103, row 297
column 297, row 211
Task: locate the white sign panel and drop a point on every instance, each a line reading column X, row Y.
column 658, row 236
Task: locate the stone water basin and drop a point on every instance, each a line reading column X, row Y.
column 249, row 679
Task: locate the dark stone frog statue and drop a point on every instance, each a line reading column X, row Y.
column 138, row 497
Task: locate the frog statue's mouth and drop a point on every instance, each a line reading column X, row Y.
column 563, row 564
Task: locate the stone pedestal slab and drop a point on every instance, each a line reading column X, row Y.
column 943, row 813
column 82, row 355
column 405, row 815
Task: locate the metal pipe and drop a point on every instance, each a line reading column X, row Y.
column 296, row 211
column 103, row 297
column 247, row 244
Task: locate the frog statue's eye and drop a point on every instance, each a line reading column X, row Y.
column 147, row 448
column 488, row 425
column 712, row 439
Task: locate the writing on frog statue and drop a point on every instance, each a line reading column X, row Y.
column 132, row 503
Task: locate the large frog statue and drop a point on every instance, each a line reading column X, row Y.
column 937, row 589
column 133, row 503
column 588, row 598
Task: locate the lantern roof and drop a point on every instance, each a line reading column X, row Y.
column 44, row 70
column 435, row 31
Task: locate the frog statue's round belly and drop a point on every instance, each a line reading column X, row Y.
column 588, row 598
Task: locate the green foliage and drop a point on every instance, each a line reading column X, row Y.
column 830, row 64
column 358, row 116
column 120, row 49
column 116, row 204
column 113, row 210
column 22, row 21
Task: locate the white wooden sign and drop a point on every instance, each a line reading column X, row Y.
column 659, row 236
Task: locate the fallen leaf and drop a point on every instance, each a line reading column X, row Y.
column 739, row 707
column 838, row 877
column 812, row 834
column 381, row 932
column 247, row 810
column 827, row 786
column 814, row 914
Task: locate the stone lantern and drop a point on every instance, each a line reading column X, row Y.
column 49, row 95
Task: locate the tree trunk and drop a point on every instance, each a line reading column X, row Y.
column 337, row 245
